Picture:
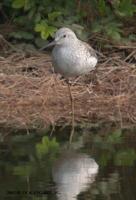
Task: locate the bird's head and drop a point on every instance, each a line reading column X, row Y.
column 63, row 37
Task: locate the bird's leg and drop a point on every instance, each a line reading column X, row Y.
column 73, row 114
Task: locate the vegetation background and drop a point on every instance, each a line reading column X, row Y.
column 37, row 20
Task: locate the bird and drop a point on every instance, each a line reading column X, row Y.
column 71, row 57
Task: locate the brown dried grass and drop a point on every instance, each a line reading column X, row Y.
column 32, row 96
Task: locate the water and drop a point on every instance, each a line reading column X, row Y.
column 101, row 165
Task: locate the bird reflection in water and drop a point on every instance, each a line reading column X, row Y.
column 73, row 173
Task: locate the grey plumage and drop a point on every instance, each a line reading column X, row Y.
column 71, row 56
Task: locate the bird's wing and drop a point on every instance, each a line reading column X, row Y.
column 91, row 51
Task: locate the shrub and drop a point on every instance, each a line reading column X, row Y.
column 42, row 17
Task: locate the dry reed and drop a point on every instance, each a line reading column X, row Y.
column 32, row 96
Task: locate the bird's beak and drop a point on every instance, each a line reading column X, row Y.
column 53, row 43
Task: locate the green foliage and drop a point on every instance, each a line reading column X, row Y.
column 23, row 170
column 104, row 158
column 52, row 16
column 45, row 29
column 33, row 15
column 125, row 8
column 125, row 157
column 113, row 138
column 108, row 186
column 42, row 18
column 109, row 151
column 46, row 146
column 102, row 8
column 22, row 35
column 110, row 22
column 108, row 27
column 19, row 3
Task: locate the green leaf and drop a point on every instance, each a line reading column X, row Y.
column 125, row 8
column 32, row 14
column 115, row 137
column 125, row 157
column 42, row 26
column 105, row 158
column 46, row 146
column 46, row 141
column 23, row 170
column 45, row 29
column 18, row 4
column 45, row 34
column 132, row 37
column 97, row 28
column 116, row 36
column 37, row 17
column 22, row 35
column 28, row 4
column 41, row 150
column 53, row 15
column 113, row 30
column 102, row 7
column 54, row 145
column 51, row 30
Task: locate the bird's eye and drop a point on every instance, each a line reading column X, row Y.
column 64, row 36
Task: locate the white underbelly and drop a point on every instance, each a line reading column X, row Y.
column 71, row 64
